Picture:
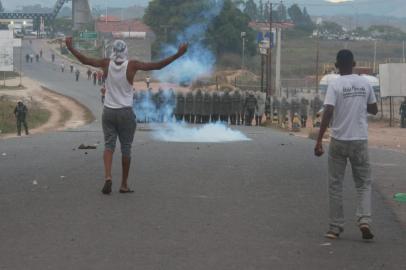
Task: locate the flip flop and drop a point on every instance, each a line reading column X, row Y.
column 107, row 187
column 126, row 191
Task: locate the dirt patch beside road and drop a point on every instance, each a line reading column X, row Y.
column 65, row 112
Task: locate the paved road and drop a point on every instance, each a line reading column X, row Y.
column 252, row 205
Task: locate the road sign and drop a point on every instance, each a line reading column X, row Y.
column 88, row 35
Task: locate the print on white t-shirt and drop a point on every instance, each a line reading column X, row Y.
column 350, row 95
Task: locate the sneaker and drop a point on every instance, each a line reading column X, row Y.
column 366, row 232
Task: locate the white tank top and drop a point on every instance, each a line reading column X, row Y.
column 119, row 93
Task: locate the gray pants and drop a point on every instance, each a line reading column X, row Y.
column 119, row 123
column 357, row 153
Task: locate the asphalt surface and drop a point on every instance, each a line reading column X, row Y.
column 244, row 205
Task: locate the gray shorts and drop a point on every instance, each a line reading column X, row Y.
column 119, row 123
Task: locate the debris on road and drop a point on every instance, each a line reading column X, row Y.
column 4, row 154
column 86, row 147
column 325, row 244
column 35, row 182
column 62, row 176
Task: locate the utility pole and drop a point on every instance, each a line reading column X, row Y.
column 243, row 34
column 374, row 68
column 278, row 86
column 269, row 64
column 318, row 55
column 404, row 52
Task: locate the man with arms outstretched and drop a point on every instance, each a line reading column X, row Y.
column 348, row 101
column 118, row 118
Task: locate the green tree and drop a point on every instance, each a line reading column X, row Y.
column 224, row 34
column 251, row 9
column 282, row 13
column 300, row 18
column 331, row 28
column 260, row 11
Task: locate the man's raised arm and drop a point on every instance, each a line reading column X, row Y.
column 136, row 65
column 99, row 63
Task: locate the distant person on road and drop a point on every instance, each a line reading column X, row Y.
column 27, row 58
column 53, row 57
column 36, row 58
column 103, row 94
column 348, row 101
column 77, row 73
column 99, row 77
column 62, row 67
column 31, row 58
column 118, row 117
column 94, row 75
column 20, row 113
column 402, row 112
column 148, row 81
column 71, row 68
column 40, row 53
column 89, row 74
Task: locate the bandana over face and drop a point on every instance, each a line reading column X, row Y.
column 120, row 51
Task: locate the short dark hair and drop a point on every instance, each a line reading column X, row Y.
column 345, row 58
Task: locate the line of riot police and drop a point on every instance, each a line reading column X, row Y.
column 284, row 110
column 200, row 106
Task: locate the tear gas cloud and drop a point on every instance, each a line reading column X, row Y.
column 159, row 107
column 210, row 133
column 199, row 60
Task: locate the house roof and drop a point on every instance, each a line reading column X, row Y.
column 121, row 26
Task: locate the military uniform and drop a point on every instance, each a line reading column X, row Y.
column 207, row 107
column 180, row 107
column 235, row 108
column 304, row 103
column 199, row 106
column 402, row 112
column 284, row 111
column 20, row 112
column 316, row 104
column 249, row 107
column 225, row 107
column 189, row 108
column 259, row 113
column 216, row 107
column 276, row 108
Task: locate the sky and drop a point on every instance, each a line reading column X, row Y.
column 315, row 7
column 12, row 4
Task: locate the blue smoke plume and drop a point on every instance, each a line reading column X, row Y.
column 199, row 60
column 152, row 107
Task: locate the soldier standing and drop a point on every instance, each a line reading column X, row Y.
column 241, row 113
column 235, row 107
column 216, row 107
column 20, row 113
column 189, row 107
column 284, row 111
column 304, row 103
column 249, row 107
column 207, row 107
column 226, row 106
column 402, row 112
column 180, row 107
column 294, row 108
column 259, row 113
column 77, row 73
column 199, row 106
column 315, row 106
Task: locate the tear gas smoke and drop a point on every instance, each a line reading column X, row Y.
column 199, row 60
column 210, row 133
column 159, row 107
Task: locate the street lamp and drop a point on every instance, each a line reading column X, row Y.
column 243, row 35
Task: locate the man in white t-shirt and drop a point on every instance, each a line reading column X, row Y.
column 118, row 120
column 348, row 101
